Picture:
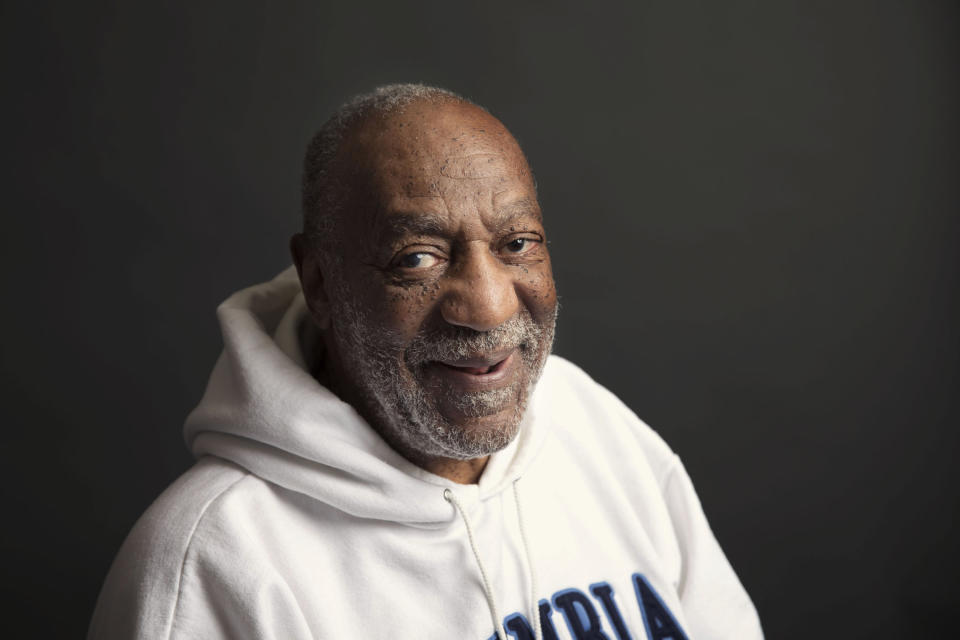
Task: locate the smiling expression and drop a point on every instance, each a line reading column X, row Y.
column 440, row 303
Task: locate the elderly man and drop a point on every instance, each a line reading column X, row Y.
column 386, row 449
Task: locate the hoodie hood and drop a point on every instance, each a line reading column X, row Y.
column 300, row 522
column 263, row 410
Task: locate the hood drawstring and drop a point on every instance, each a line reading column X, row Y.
column 451, row 497
column 532, row 574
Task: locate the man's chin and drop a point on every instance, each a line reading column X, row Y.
column 468, row 437
column 474, row 445
column 479, row 423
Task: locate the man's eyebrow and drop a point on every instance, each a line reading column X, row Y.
column 421, row 224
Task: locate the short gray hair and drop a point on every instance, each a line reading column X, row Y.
column 323, row 193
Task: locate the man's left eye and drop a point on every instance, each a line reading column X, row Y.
column 519, row 245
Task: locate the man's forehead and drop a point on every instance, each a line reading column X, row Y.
column 476, row 166
column 414, row 167
column 458, row 140
column 427, row 217
column 431, row 176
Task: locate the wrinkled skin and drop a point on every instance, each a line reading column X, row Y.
column 443, row 269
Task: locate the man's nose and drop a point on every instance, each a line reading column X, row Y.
column 481, row 293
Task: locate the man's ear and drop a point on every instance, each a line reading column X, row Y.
column 311, row 279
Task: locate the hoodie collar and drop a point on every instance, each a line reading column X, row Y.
column 263, row 411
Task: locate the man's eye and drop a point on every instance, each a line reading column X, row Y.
column 417, row 260
column 519, row 245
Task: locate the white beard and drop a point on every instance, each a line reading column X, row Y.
column 405, row 412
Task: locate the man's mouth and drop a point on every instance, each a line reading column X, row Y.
column 490, row 369
column 476, row 370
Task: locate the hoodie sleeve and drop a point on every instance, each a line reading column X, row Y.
column 715, row 604
column 142, row 587
column 185, row 572
column 222, row 598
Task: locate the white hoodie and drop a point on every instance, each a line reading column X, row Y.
column 298, row 521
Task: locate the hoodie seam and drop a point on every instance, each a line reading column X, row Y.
column 668, row 473
column 186, row 551
column 668, row 477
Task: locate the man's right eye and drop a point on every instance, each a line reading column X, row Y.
column 418, row 260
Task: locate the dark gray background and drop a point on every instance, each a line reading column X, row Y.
column 753, row 214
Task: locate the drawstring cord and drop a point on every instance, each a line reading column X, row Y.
column 451, row 497
column 534, row 608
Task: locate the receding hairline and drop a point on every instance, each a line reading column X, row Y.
column 428, row 127
column 327, row 183
column 323, row 191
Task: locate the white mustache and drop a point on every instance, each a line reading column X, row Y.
column 462, row 342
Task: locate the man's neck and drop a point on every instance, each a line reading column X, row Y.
column 460, row 471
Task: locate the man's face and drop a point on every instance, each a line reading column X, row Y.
column 442, row 308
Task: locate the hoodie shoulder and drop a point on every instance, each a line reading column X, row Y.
column 140, row 593
column 579, row 404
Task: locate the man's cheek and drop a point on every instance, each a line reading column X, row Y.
column 542, row 295
column 406, row 310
